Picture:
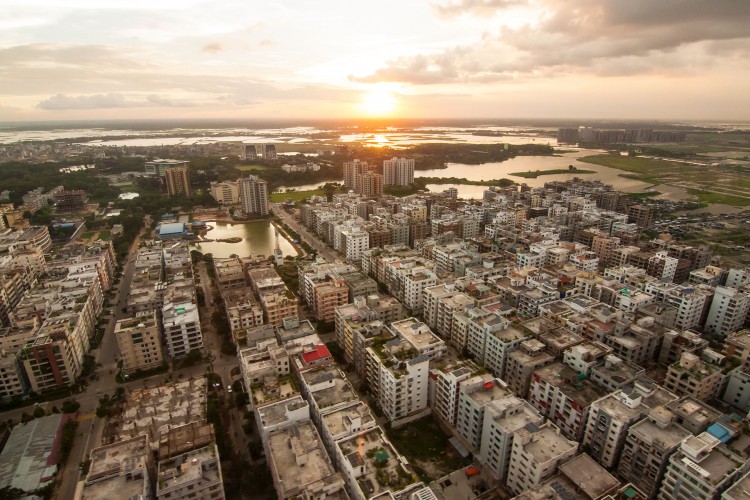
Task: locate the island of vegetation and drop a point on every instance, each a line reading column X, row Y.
column 533, row 174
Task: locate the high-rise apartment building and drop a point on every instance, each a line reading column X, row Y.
column 226, row 192
column 370, row 184
column 253, row 195
column 182, row 329
column 158, row 167
column 178, row 181
column 728, row 311
column 398, row 172
column 139, row 342
column 352, row 172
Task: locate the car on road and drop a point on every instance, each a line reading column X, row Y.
column 229, row 388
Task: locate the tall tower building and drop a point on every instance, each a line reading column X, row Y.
column 728, row 311
column 254, row 195
column 178, row 181
column 352, row 172
column 370, row 184
column 398, row 172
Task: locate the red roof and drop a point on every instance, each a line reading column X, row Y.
column 320, row 352
column 489, row 385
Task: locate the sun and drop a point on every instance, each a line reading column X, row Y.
column 378, row 102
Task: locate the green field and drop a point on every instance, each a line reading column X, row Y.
column 533, row 174
column 296, row 196
column 725, row 199
column 634, row 164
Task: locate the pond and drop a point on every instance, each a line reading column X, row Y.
column 257, row 239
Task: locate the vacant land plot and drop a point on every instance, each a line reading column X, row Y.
column 426, row 447
column 249, row 168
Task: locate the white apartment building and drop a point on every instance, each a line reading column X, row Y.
column 502, row 420
column 728, row 311
column 611, row 416
column 356, row 240
column 400, row 376
column 420, row 337
column 536, row 454
column 226, row 192
column 398, row 172
column 182, row 329
column 253, row 194
column 474, row 395
column 415, row 281
column 444, row 389
column 701, row 469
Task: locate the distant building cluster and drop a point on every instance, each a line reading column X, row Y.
column 302, row 167
column 365, row 179
column 254, row 151
column 590, row 135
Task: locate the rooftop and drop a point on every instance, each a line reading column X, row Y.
column 201, row 464
column 589, row 476
column 383, row 466
column 416, row 333
column 29, row 460
column 338, row 421
column 299, row 461
column 329, row 386
column 155, row 410
column 546, row 443
column 570, row 382
column 663, row 436
column 118, row 470
column 276, row 413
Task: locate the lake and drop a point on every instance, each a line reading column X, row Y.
column 257, row 239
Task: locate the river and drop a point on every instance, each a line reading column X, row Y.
column 503, row 169
column 257, row 239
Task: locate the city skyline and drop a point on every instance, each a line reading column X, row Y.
column 676, row 59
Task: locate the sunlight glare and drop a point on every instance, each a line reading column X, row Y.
column 378, row 102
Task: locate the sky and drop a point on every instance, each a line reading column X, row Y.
column 147, row 59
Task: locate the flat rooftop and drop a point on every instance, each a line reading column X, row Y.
column 300, row 462
column 155, row 410
column 668, row 436
column 118, row 470
column 338, row 421
column 487, row 390
column 739, row 490
column 546, row 443
column 337, row 388
column 589, row 476
column 380, row 460
column 200, row 464
column 582, row 391
column 416, row 333
column 276, row 413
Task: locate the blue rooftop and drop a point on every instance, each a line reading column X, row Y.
column 171, row 229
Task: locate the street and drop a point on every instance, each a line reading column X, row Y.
column 323, row 250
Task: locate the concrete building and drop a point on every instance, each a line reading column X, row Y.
column 158, row 167
column 253, row 194
column 139, row 341
column 611, row 416
column 503, row 418
column 123, row 469
column 71, row 201
column 739, row 490
column 177, row 180
column 475, row 394
column 372, row 468
column 536, row 454
column 182, row 329
column 189, row 464
column 702, row 468
column 728, row 311
column 641, row 215
column 693, row 377
column 277, row 306
column 226, row 192
column 737, row 392
column 398, row 378
column 647, row 449
column 522, row 362
column 420, row 338
column 398, row 171
column 564, row 397
column 280, row 415
column 352, row 173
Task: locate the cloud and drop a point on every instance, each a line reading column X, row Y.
column 158, row 100
column 266, row 43
column 213, row 47
column 585, row 36
column 97, row 101
column 479, row 7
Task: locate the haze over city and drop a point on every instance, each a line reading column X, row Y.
column 666, row 60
